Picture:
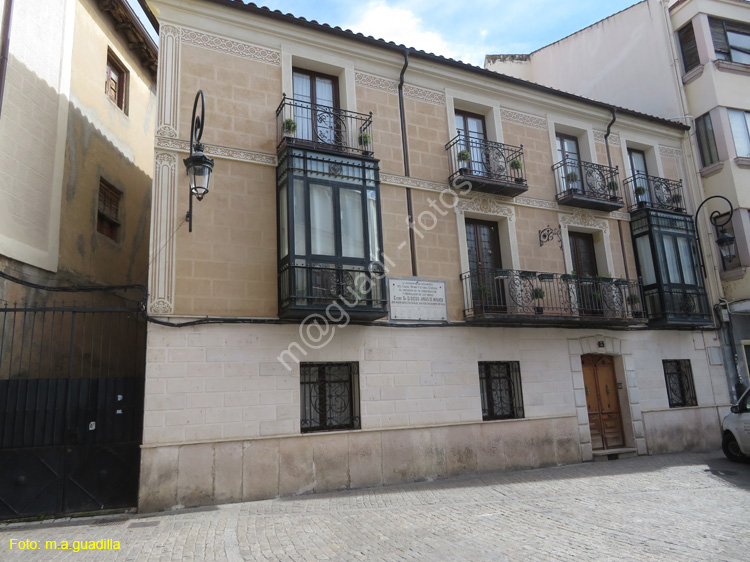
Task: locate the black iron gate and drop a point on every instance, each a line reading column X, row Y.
column 71, row 408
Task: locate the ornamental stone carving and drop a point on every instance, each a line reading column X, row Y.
column 614, row 138
column 586, row 219
column 376, row 82
column 219, row 151
column 487, row 205
column 231, row 47
column 670, row 152
column 533, row 121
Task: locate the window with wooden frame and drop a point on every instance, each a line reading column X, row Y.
column 316, row 98
column 108, row 213
column 679, row 378
column 116, row 86
column 704, row 132
column 500, row 388
column 731, row 40
column 689, row 47
column 329, row 396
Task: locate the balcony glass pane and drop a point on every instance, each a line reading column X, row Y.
column 300, row 219
column 645, row 259
column 321, row 217
column 673, row 265
column 302, row 110
column 372, row 225
column 283, row 223
column 740, row 122
column 352, row 228
column 686, row 258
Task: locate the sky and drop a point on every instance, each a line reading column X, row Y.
column 465, row 30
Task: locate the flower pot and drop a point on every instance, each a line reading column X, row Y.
column 538, row 310
column 518, row 180
column 463, row 171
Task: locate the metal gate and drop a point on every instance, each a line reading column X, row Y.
column 71, row 408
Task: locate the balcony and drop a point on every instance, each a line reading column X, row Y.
column 587, row 185
column 339, row 292
column 677, row 308
column 650, row 192
column 491, row 167
column 319, row 127
column 505, row 296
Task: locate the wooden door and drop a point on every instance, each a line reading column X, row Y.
column 483, row 243
column 605, row 419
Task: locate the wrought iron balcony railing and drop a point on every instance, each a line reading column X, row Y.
column 587, row 185
column 357, row 290
column 492, row 167
column 644, row 191
column 301, row 123
column 509, row 295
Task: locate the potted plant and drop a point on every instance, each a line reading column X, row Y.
column 484, row 290
column 527, row 274
column 289, row 127
column 676, row 200
column 640, row 191
column 613, row 186
column 634, row 300
column 502, row 273
column 516, row 166
column 463, row 156
column 570, row 180
column 538, row 295
column 365, row 141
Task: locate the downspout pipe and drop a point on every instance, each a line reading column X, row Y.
column 4, row 47
column 609, row 163
column 407, row 173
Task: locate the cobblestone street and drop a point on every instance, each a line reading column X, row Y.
column 668, row 507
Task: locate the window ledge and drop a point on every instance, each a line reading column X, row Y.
column 714, row 168
column 742, row 162
column 733, row 274
column 735, row 67
column 694, row 74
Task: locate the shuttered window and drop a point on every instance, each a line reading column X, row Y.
column 108, row 212
column 731, row 40
column 706, row 141
column 689, row 48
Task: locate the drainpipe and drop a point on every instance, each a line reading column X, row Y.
column 609, row 163
column 4, row 47
column 409, row 208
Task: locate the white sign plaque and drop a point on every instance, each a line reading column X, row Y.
column 417, row 300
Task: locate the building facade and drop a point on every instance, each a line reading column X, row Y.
column 695, row 59
column 406, row 268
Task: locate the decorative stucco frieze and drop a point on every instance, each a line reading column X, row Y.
column 584, row 218
column 231, row 47
column 425, row 95
column 404, row 181
column 619, row 216
column 533, row 121
column 219, row 151
column 614, row 138
column 670, row 152
column 167, row 81
column 538, row 203
column 376, row 82
column 487, row 205
column 163, row 226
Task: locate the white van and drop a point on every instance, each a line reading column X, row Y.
column 735, row 430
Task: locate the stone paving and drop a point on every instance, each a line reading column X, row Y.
column 693, row 506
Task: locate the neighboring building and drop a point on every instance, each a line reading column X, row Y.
column 79, row 102
column 686, row 60
column 77, row 117
column 316, row 359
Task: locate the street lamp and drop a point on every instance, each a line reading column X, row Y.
column 725, row 241
column 198, row 165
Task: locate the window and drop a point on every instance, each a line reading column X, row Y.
column 316, row 101
column 740, row 122
column 116, row 87
column 731, row 40
column 569, row 154
column 471, row 133
column 500, row 387
column 706, row 141
column 107, row 221
column 329, row 398
column 679, row 378
column 688, row 47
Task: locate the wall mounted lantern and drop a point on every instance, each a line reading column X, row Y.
column 725, row 241
column 198, row 165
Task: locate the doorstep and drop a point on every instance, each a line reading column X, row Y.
column 614, row 454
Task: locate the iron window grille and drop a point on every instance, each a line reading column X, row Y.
column 329, row 396
column 500, row 387
column 108, row 212
column 679, row 379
